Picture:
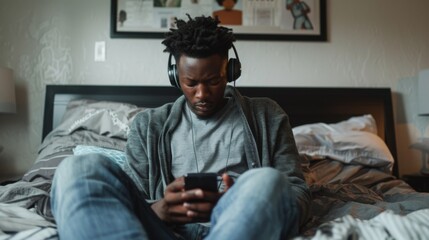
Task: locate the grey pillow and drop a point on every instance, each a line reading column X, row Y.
column 85, row 122
column 110, row 119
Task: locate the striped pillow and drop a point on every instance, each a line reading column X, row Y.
column 45, row 167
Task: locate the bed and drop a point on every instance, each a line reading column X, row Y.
column 346, row 139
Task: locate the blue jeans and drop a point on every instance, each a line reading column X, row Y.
column 92, row 198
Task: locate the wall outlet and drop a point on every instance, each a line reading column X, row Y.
column 100, row 51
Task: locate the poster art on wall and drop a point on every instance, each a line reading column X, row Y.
column 290, row 20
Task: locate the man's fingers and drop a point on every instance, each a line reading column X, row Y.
column 228, row 181
column 177, row 185
column 199, row 211
column 173, row 192
column 201, row 207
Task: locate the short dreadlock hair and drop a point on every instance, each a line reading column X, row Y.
column 199, row 37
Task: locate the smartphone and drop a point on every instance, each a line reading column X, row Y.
column 204, row 181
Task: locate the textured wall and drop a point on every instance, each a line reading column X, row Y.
column 372, row 43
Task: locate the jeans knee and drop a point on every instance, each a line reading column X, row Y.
column 264, row 177
column 267, row 183
column 75, row 167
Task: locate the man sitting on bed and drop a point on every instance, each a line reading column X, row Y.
column 211, row 128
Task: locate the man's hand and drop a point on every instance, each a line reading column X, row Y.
column 228, row 181
column 181, row 206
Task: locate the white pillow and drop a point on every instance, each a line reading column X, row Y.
column 364, row 123
column 352, row 141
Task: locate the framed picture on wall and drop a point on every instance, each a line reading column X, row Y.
column 288, row 20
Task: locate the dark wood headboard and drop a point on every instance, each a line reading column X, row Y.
column 302, row 104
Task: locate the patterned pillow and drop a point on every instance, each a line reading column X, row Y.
column 116, row 156
column 85, row 122
column 110, row 119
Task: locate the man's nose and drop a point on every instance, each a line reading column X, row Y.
column 203, row 91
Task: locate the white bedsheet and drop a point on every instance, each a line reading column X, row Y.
column 386, row 225
column 21, row 223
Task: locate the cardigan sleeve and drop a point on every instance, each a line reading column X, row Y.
column 137, row 153
column 143, row 152
column 277, row 148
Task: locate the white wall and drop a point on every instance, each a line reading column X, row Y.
column 372, row 43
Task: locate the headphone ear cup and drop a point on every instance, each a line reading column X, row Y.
column 234, row 69
column 172, row 75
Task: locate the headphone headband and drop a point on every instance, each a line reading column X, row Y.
column 233, row 69
column 235, row 52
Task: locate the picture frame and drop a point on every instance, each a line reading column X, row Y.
column 281, row 20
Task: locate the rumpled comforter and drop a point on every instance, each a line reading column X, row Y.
column 342, row 192
column 386, row 225
column 32, row 192
column 347, row 198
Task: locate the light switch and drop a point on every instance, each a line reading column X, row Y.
column 100, row 52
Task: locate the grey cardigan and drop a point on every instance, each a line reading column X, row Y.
column 269, row 142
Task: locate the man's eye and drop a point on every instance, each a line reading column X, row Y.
column 191, row 84
column 215, row 81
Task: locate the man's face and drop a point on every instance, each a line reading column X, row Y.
column 203, row 82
